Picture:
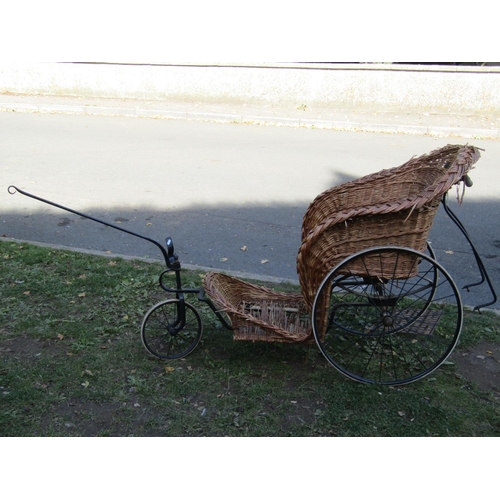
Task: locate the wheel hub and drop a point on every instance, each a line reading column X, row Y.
column 387, row 320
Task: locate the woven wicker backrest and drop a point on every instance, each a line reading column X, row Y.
column 390, row 207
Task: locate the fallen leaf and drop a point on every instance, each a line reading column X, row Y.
column 449, row 252
column 26, row 293
column 86, row 384
column 112, row 263
column 81, row 294
column 223, row 259
column 59, row 336
column 149, row 224
column 264, row 261
column 169, row 369
column 244, row 248
column 401, row 413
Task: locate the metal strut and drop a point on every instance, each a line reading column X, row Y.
column 479, row 262
column 170, row 259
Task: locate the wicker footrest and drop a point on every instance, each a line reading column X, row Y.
column 258, row 313
column 425, row 324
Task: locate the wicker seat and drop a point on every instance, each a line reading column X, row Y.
column 394, row 207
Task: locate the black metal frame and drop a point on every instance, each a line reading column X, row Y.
column 171, row 260
column 479, row 262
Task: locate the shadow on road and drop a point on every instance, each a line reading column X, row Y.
column 255, row 239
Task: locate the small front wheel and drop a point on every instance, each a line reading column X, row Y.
column 171, row 329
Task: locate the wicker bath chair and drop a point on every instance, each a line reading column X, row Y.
column 373, row 297
column 394, row 207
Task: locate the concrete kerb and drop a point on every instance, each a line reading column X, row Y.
column 254, row 119
column 190, row 267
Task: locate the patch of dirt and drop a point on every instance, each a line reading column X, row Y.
column 82, row 418
column 481, row 365
column 29, row 347
column 305, row 411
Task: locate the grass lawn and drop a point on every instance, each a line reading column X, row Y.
column 72, row 364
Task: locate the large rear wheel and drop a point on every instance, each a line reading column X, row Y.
column 387, row 315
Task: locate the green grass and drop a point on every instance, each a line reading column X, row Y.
column 72, row 364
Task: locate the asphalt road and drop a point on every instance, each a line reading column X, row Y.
column 215, row 188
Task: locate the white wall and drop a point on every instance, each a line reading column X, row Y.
column 392, row 87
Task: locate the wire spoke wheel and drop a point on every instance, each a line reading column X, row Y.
column 387, row 315
column 171, row 329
